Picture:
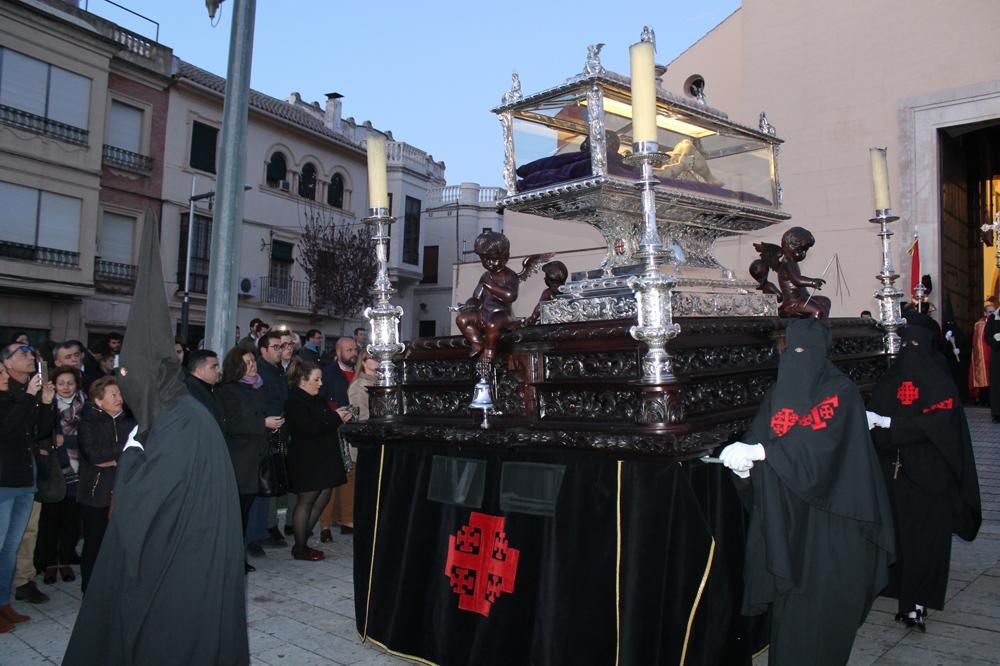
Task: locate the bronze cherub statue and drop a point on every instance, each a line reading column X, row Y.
column 487, row 314
column 793, row 299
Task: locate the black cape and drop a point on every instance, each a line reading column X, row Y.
column 936, row 490
column 820, row 515
column 168, row 586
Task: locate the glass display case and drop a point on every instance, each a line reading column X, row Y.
column 566, row 156
column 707, row 157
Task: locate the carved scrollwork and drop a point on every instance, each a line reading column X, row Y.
column 726, row 393
column 661, row 408
column 584, row 405
column 509, row 393
column 731, row 357
column 850, row 346
column 436, row 403
column 594, row 365
column 438, row 370
column 383, row 404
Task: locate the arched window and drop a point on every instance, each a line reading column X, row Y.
column 307, row 181
column 277, row 169
column 335, row 193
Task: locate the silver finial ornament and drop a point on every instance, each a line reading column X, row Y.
column 648, row 36
column 514, row 94
column 593, row 66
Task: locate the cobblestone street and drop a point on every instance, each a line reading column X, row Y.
column 302, row 613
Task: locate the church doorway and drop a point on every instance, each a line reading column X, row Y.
column 969, row 163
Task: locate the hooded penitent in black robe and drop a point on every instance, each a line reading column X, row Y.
column 168, row 586
column 936, row 491
column 820, row 538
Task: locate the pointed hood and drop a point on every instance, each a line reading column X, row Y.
column 150, row 375
column 803, row 376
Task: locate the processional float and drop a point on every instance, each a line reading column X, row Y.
column 537, row 496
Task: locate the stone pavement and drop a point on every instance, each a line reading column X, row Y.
column 302, row 613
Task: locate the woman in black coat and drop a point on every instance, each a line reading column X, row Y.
column 246, row 425
column 104, row 430
column 315, row 465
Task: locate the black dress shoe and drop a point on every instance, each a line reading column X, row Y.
column 255, row 550
column 51, row 575
column 325, row 536
column 344, row 529
column 29, row 592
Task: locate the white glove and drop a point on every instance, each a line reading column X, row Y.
column 949, row 336
column 996, row 336
column 877, row 421
column 958, row 354
column 131, row 440
column 740, row 456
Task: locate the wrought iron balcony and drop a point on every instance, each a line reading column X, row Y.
column 41, row 255
column 128, row 160
column 39, row 125
column 291, row 293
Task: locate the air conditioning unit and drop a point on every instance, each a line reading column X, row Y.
column 284, row 185
column 249, row 287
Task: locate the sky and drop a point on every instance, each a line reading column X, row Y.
column 428, row 71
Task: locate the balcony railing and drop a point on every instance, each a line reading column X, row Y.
column 112, row 270
column 41, row 255
column 128, row 160
column 39, row 125
column 291, row 293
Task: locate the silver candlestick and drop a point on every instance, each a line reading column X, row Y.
column 652, row 288
column 888, row 296
column 383, row 316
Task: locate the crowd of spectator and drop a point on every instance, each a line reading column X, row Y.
column 272, row 391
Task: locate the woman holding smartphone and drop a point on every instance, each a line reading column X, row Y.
column 314, row 462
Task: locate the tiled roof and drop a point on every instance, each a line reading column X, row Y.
column 271, row 106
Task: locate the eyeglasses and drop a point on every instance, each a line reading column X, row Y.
column 275, row 347
column 27, row 349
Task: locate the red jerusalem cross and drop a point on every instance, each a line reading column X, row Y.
column 908, row 393
column 480, row 563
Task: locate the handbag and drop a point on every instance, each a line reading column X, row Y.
column 272, row 474
column 51, row 483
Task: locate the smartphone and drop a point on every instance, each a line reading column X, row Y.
column 43, row 370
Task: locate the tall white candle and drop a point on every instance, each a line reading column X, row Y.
column 880, row 178
column 643, row 92
column 378, row 190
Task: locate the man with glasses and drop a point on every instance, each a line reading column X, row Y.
column 273, row 393
column 287, row 349
column 21, row 364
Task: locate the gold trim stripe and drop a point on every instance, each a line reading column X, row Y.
column 697, row 599
column 618, row 569
column 403, row 654
column 371, row 568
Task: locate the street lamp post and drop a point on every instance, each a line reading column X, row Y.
column 223, row 272
column 186, row 304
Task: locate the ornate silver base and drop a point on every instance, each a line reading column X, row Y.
column 697, row 293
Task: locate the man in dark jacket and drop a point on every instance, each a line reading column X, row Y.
column 274, row 393
column 313, row 348
column 338, row 375
column 202, row 379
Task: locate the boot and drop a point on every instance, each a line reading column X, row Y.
column 8, row 614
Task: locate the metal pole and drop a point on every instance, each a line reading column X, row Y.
column 186, row 305
column 223, row 273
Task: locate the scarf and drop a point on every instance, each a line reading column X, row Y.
column 255, row 381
